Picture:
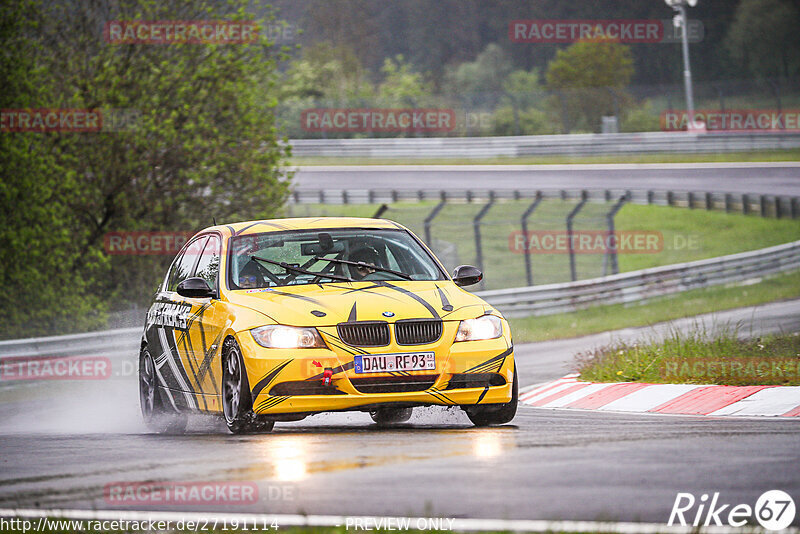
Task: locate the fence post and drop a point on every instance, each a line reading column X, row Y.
column 345, row 197
column 650, row 196
column 709, row 201
column 322, row 196
column 611, row 252
column 570, row 217
column 381, row 210
column 670, row 198
column 429, row 219
column 778, row 207
column 728, row 203
column 690, row 200
column 763, row 202
column 524, row 221
column 370, row 196
column 394, row 196
column 476, row 224
column 795, row 208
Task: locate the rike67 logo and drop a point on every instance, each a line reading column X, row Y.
column 774, row 510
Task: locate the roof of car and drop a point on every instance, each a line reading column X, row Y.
column 302, row 223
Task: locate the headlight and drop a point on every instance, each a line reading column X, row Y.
column 485, row 327
column 277, row 336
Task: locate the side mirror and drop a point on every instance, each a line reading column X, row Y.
column 467, row 275
column 195, row 288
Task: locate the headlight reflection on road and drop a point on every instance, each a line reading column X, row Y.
column 489, row 444
column 288, row 457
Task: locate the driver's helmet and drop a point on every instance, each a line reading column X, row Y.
column 366, row 255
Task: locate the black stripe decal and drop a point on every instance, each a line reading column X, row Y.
column 501, row 357
column 486, row 389
column 419, row 299
column 264, row 382
column 301, row 297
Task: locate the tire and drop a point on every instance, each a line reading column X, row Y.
column 157, row 416
column 391, row 416
column 237, row 402
column 496, row 414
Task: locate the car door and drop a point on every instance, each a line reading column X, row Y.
column 200, row 344
column 168, row 321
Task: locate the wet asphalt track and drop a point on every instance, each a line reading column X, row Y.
column 758, row 178
column 61, row 450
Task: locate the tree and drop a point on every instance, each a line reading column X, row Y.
column 486, row 75
column 589, row 78
column 205, row 143
column 40, row 293
column 763, row 37
column 401, row 85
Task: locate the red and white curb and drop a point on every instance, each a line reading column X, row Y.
column 684, row 399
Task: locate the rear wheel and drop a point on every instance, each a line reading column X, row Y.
column 391, row 416
column 496, row 414
column 157, row 416
column 237, row 402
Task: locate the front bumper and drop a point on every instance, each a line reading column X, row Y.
column 291, row 381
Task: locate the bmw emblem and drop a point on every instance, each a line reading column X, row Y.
column 388, row 314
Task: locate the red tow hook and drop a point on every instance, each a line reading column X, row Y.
column 326, row 376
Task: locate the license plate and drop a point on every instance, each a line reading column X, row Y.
column 384, row 363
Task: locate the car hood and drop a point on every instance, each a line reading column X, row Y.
column 332, row 303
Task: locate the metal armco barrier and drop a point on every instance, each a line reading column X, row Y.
column 105, row 343
column 544, row 145
column 765, row 205
column 636, row 286
column 639, row 286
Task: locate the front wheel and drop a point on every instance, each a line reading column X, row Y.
column 497, row 414
column 156, row 416
column 237, row 402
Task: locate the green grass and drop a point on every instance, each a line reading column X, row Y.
column 688, row 235
column 697, row 357
column 757, row 156
column 687, row 304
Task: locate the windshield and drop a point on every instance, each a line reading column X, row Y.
column 322, row 256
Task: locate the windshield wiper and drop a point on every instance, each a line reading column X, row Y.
column 367, row 265
column 303, row 271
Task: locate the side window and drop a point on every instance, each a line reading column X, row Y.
column 208, row 266
column 183, row 267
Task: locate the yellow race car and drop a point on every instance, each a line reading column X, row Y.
column 275, row 320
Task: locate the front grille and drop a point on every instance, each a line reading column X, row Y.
column 475, row 380
column 303, row 387
column 390, row 384
column 417, row 331
column 364, row 334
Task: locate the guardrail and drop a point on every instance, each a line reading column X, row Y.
column 639, row 286
column 544, row 145
column 636, row 286
column 106, row 343
column 778, row 206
